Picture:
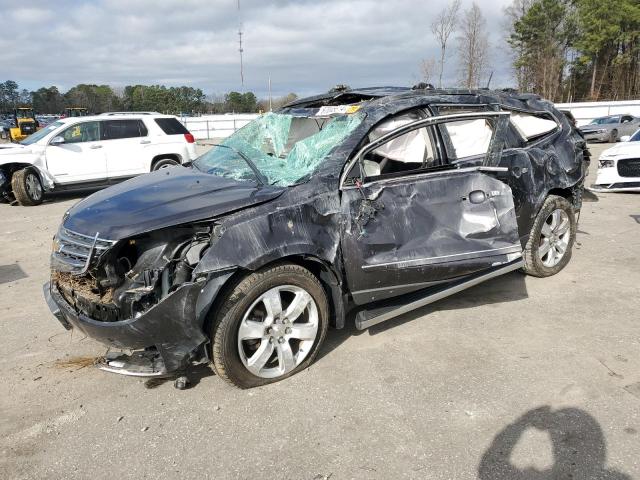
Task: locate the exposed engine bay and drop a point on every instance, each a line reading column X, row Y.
column 134, row 274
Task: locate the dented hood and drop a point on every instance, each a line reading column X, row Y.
column 161, row 199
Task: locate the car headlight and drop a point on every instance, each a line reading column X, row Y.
column 606, row 163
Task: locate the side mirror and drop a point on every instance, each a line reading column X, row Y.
column 56, row 141
column 625, row 138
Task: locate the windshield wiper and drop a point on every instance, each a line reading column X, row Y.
column 261, row 178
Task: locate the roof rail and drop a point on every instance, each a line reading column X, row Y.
column 340, row 88
column 423, row 86
column 129, row 113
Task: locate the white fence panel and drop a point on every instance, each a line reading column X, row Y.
column 216, row 126
column 584, row 112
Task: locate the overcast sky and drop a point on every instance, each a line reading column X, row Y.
column 306, row 46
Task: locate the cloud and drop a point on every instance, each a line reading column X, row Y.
column 305, row 46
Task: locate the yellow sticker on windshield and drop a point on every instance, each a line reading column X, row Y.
column 337, row 110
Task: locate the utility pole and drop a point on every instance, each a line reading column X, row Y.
column 270, row 102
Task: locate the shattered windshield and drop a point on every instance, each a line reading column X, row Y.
column 284, row 149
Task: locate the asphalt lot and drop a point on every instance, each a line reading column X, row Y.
column 517, row 378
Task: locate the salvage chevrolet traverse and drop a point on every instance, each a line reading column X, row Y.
column 379, row 200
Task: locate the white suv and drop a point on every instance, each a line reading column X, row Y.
column 87, row 152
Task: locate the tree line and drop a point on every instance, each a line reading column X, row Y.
column 103, row 98
column 564, row 50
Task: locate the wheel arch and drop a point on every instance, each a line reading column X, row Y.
column 165, row 156
column 321, row 269
column 10, row 168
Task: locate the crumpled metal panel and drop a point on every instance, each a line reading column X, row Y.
column 423, row 230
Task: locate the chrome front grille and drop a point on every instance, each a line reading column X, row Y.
column 71, row 250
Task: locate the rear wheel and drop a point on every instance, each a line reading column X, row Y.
column 27, row 187
column 164, row 163
column 551, row 239
column 270, row 326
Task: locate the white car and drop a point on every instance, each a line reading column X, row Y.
column 87, row 152
column 619, row 167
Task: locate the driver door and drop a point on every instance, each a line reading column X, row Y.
column 81, row 158
column 418, row 221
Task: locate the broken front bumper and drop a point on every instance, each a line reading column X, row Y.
column 174, row 326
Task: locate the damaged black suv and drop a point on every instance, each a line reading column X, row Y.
column 379, row 200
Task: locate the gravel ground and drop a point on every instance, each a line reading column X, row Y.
column 517, row 378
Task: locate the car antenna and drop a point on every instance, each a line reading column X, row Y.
column 490, row 78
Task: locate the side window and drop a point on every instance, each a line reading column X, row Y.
column 118, row 129
column 412, row 151
column 171, row 126
column 467, row 138
column 82, row 132
column 626, row 118
column 532, row 127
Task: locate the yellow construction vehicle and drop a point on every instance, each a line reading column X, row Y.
column 76, row 112
column 25, row 124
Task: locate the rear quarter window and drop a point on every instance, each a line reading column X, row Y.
column 533, row 127
column 120, row 129
column 171, row 126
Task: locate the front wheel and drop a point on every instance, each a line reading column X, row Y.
column 613, row 136
column 27, row 187
column 270, row 326
column 551, row 239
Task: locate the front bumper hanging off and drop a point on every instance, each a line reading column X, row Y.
column 169, row 334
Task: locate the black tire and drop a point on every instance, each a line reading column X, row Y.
column 164, row 163
column 533, row 262
column 613, row 136
column 27, row 187
column 225, row 351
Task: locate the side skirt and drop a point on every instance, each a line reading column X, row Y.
column 368, row 318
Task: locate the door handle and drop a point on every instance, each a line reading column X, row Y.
column 144, row 142
column 95, row 147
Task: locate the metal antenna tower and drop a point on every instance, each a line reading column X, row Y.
column 240, row 49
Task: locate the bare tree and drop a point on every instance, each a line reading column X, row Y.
column 473, row 47
column 427, row 70
column 442, row 27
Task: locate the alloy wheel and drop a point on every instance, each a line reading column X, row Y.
column 554, row 239
column 278, row 331
column 34, row 189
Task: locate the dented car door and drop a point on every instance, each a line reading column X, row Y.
column 426, row 226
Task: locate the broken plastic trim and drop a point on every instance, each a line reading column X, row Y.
column 500, row 119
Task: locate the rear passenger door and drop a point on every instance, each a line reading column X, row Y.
column 416, row 220
column 125, row 143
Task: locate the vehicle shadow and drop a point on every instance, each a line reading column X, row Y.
column 64, row 196
column 589, row 196
column 194, row 374
column 506, row 288
column 577, row 441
